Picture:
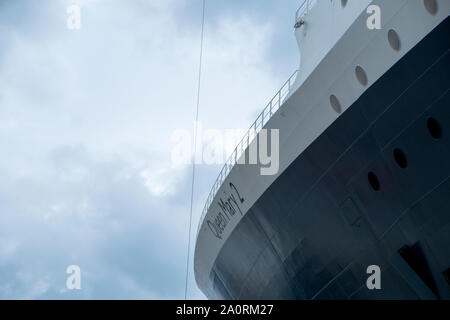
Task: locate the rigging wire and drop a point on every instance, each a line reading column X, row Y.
column 195, row 149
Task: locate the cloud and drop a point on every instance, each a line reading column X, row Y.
column 85, row 124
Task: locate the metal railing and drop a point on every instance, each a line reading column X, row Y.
column 304, row 9
column 248, row 138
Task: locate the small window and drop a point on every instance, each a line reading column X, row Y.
column 446, row 274
column 335, row 104
column 343, row 3
column 373, row 180
column 434, row 128
column 394, row 40
column 361, row 75
column 431, row 6
column 400, row 158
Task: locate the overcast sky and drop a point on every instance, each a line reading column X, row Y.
column 86, row 120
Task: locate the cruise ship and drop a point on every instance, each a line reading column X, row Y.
column 363, row 184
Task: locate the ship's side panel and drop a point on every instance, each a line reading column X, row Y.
column 316, row 229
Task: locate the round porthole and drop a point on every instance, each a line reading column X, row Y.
column 394, row 40
column 373, row 180
column 361, row 75
column 400, row 158
column 343, row 3
column 431, row 6
column 335, row 104
column 434, row 128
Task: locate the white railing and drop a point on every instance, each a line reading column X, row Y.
column 248, row 138
column 304, row 9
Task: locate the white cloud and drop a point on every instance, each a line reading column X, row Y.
column 85, row 124
column 160, row 182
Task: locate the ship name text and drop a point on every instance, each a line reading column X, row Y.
column 228, row 208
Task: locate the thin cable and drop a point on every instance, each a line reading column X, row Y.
column 195, row 150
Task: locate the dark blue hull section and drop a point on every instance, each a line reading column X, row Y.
column 318, row 227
